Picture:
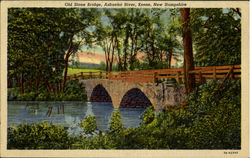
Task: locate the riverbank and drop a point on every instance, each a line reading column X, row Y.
column 74, row 91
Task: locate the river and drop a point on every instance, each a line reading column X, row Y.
column 70, row 114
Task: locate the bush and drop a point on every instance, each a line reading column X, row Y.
column 115, row 122
column 217, row 120
column 89, row 124
column 148, row 116
column 12, row 93
column 38, row 136
column 26, row 96
column 74, row 91
column 44, row 96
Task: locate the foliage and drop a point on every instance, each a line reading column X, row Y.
column 12, row 93
column 41, row 40
column 148, row 116
column 74, row 92
column 38, row 136
column 127, row 32
column 217, row 36
column 89, row 124
column 217, row 121
column 26, row 96
column 115, row 122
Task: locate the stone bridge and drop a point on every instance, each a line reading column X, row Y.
column 130, row 94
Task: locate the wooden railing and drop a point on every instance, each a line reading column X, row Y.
column 200, row 74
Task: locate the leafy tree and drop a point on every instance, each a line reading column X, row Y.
column 216, row 120
column 44, row 39
column 217, row 36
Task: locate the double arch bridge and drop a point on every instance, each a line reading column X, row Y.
column 147, row 87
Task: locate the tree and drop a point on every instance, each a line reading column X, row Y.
column 82, row 20
column 217, row 36
column 44, row 39
column 188, row 50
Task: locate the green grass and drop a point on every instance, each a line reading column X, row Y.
column 78, row 70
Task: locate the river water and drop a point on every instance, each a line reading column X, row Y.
column 70, row 114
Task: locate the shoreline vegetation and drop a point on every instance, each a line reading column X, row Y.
column 204, row 123
column 75, row 91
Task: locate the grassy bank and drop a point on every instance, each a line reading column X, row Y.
column 78, row 70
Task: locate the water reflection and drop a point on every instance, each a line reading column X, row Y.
column 70, row 114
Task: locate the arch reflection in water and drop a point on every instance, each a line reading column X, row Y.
column 103, row 112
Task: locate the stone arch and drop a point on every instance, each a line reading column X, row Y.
column 135, row 98
column 100, row 94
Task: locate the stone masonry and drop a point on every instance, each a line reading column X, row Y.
column 128, row 94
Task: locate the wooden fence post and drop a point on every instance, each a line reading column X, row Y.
column 214, row 73
column 200, row 77
column 178, row 77
column 90, row 75
column 232, row 74
column 106, row 75
column 155, row 77
column 82, row 77
column 100, row 74
column 110, row 75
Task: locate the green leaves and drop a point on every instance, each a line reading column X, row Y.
column 115, row 122
column 148, row 116
column 217, row 36
column 89, row 124
column 216, row 121
column 38, row 136
column 43, row 34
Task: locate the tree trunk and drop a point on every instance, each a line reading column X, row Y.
column 119, row 54
column 65, row 73
column 188, row 50
column 10, row 81
column 125, row 50
column 17, row 81
column 21, row 82
column 106, row 51
column 66, row 63
column 52, row 87
column 36, row 83
column 170, row 51
column 42, row 76
column 112, row 56
column 30, row 82
column 56, row 87
column 26, row 84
